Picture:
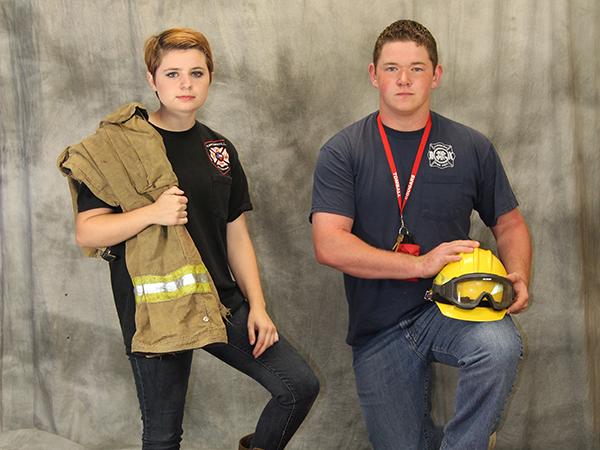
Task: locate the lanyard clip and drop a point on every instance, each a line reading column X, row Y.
column 402, row 230
column 107, row 255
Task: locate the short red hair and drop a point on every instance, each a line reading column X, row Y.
column 175, row 39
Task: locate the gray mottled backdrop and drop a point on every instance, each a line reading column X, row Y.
column 289, row 74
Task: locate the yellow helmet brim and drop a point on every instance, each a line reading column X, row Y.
column 479, row 314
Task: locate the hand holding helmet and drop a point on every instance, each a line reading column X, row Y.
column 434, row 260
column 476, row 288
column 521, row 289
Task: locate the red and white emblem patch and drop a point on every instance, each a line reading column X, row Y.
column 218, row 156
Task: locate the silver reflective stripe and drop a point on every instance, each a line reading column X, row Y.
column 171, row 286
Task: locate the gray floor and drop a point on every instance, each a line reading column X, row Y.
column 32, row 439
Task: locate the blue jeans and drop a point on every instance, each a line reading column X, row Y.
column 162, row 383
column 393, row 379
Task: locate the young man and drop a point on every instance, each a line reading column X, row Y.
column 360, row 209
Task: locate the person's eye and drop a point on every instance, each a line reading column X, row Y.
column 171, row 74
column 197, row 74
column 417, row 69
column 390, row 69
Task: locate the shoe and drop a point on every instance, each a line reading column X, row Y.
column 245, row 443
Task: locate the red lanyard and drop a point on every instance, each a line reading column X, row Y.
column 415, row 167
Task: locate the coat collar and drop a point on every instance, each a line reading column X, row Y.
column 124, row 113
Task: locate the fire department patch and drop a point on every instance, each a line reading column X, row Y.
column 218, row 156
column 441, row 155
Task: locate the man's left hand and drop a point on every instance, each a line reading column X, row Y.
column 521, row 293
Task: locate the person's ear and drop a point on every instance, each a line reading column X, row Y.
column 437, row 76
column 150, row 79
column 373, row 75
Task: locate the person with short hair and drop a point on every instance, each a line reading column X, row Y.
column 206, row 200
column 392, row 200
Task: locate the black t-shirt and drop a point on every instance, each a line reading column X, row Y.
column 460, row 172
column 210, row 174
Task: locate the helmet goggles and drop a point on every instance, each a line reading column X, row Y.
column 471, row 290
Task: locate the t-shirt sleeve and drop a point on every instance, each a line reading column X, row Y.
column 494, row 193
column 86, row 200
column 333, row 183
column 239, row 199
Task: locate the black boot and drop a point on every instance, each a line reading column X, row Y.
column 245, row 443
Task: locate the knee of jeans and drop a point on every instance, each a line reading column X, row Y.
column 503, row 354
column 497, row 346
column 303, row 391
column 510, row 352
column 311, row 388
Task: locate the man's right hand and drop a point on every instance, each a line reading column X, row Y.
column 433, row 261
column 170, row 208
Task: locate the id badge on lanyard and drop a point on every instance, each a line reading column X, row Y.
column 405, row 242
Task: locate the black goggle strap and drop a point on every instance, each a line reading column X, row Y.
column 482, row 301
column 436, row 297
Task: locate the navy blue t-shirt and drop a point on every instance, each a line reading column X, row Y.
column 460, row 172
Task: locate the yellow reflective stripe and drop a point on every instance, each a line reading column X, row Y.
column 184, row 281
column 176, row 274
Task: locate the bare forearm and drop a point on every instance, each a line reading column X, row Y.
column 346, row 252
column 514, row 243
column 337, row 247
column 109, row 229
column 101, row 227
column 242, row 262
column 514, row 248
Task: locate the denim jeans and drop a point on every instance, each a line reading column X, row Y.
column 393, row 379
column 162, row 382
